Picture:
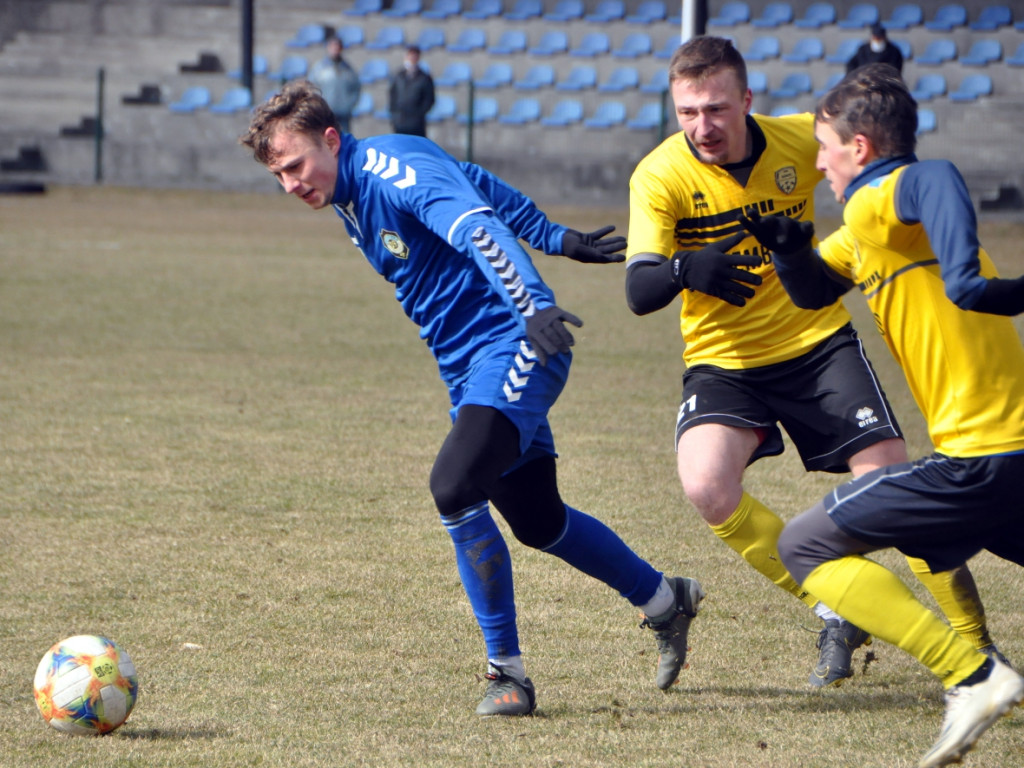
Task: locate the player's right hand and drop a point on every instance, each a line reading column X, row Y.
column 779, row 234
column 713, row 271
column 547, row 334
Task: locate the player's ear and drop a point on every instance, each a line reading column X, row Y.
column 863, row 149
column 333, row 140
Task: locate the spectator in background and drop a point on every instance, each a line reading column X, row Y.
column 878, row 50
column 411, row 96
column 338, row 83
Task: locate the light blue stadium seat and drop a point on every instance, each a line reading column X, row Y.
column 993, row 17
column 485, row 109
column 905, row 48
column 364, row 105
column 947, row 18
column 591, row 45
column 829, row 84
column 511, row 41
column 260, row 66
column 564, row 113
column 444, row 108
column 566, row 10
column 551, row 43
column 669, row 47
column 844, row 51
column 430, row 38
column 482, row 9
column 647, row 117
column 522, row 111
column 443, row 9
column 522, row 10
column 927, row 87
column 982, row 53
column 805, row 49
column 579, row 78
column 1017, row 59
column 794, row 84
column 657, row 83
column 607, row 115
column 972, row 88
column 373, row 70
column 386, row 38
column 635, row 45
column 757, row 81
column 351, row 35
column 763, row 48
column 926, row 122
column 292, row 67
column 647, row 12
column 816, row 16
column 731, row 14
column 364, row 8
column 401, row 9
column 607, row 11
column 904, row 16
column 233, row 100
column 469, row 39
column 308, row 35
column 497, row 75
column 620, row 79
column 938, row 52
column 192, row 99
column 859, row 16
column 455, row 73
column 538, row 76
column 774, row 15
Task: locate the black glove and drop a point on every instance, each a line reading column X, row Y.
column 713, row 271
column 780, row 234
column 546, row 333
column 593, row 247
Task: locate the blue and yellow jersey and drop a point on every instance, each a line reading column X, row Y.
column 908, row 243
column 679, row 203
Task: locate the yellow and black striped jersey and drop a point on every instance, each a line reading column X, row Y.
column 679, row 203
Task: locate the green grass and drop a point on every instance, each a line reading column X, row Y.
column 217, row 429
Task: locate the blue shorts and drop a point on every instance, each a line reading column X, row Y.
column 940, row 509
column 511, row 381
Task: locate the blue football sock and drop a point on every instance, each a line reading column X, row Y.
column 486, row 572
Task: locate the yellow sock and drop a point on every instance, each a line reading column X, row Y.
column 957, row 596
column 753, row 531
column 873, row 598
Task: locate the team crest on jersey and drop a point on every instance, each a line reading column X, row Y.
column 395, row 245
column 785, row 179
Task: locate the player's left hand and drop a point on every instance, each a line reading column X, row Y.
column 547, row 333
column 593, row 247
column 780, row 234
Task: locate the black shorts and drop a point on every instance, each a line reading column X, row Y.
column 939, row 509
column 829, row 401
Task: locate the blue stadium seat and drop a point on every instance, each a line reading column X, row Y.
column 565, row 112
column 859, row 16
column 307, row 35
column 522, row 10
column 904, row 16
column 292, row 68
column 816, row 16
column 455, row 73
column 192, row 100
column 635, row 45
column 260, row 67
column 782, row 110
column 647, row 117
column 763, row 48
column 510, row 41
column 668, row 48
column 971, row 88
column 982, row 53
column 607, row 115
column 731, row 14
column 905, row 48
column 757, row 81
column 1017, row 59
column 844, row 51
column 522, row 111
column 386, row 38
column 443, row 9
column 657, row 83
column 566, row 10
column 774, row 15
column 444, row 109
column 805, row 50
column 947, row 18
column 234, row 100
column 497, row 75
column 401, row 9
column 364, row 105
column 829, row 84
column 938, row 52
column 364, row 8
column 647, row 12
column 482, row 9
column 579, row 78
column 591, row 45
column 470, row 39
column 993, row 17
column 538, row 76
column 551, row 43
column 927, row 87
column 430, row 38
column 350, row 35
column 620, row 79
column 794, row 84
column 373, row 70
column 926, row 122
column 607, row 11
column 485, row 109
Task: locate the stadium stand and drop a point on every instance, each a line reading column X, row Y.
column 566, row 10
column 608, row 114
column 666, row 50
column 430, row 38
column 564, row 113
column 656, row 83
column 926, row 122
column 816, row 16
column 859, row 16
column 364, row 106
column 620, row 79
column 844, row 51
column 947, row 18
column 233, row 100
column 633, row 46
column 592, row 45
column 829, row 83
column 757, row 81
column 1017, row 59
column 992, row 17
column 364, row 8
column 522, row 111
column 763, row 48
column 536, row 77
column 904, row 17
column 259, row 67
column 468, row 40
column 938, row 52
column 982, row 53
column 497, row 75
column 551, row 43
column 511, row 41
column 522, row 10
column 386, row 38
column 443, row 9
column 485, row 109
column 607, row 11
column 402, row 9
column 444, row 108
column 454, row 73
column 972, row 88
column 929, row 86
column 731, row 14
column 579, row 78
column 482, row 9
column 373, row 70
column 805, row 50
column 192, row 99
column 794, row 84
column 308, row 35
column 648, row 116
column 773, row 15
column 351, row 36
column 647, row 12
column 292, row 67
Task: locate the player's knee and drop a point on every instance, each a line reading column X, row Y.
column 714, row 501
column 534, row 528
column 453, row 491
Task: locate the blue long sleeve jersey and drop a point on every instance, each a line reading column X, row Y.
column 446, row 234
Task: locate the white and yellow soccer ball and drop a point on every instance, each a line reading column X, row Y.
column 86, row 685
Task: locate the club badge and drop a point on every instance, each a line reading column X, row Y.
column 395, row 245
column 785, row 179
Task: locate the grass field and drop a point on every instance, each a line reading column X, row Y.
column 216, row 429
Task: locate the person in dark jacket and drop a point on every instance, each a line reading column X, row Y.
column 411, row 96
column 878, row 50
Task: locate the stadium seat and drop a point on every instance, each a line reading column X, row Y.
column 982, row 53
column 364, row 8
column 607, row 11
column 620, row 79
column 647, row 117
column 774, row 15
column 444, row 109
column 947, row 18
column 455, row 73
column 647, row 12
column 657, row 83
column 904, row 16
column 579, row 78
column 565, row 112
column 566, row 10
column 373, row 70
column 259, row 67
column 829, row 84
column 805, row 50
column 510, row 41
column 485, row 109
column 401, row 9
column 234, row 100
column 522, row 10
column 668, row 48
column 757, row 81
column 927, row 87
column 926, row 122
column 635, row 45
column 591, row 45
column 816, row 16
column 430, row 38
column 386, row 38
column 470, row 39
column 482, row 9
column 844, row 51
column 350, row 35
column 607, row 115
column 538, row 76
column 364, row 105
column 905, row 48
column 551, row 43
column 763, row 48
column 938, row 52
column 292, row 68
column 993, row 17
column 443, row 9
column 971, row 88
column 1017, row 59
column 794, row 84
column 522, row 111
column 731, row 14
column 307, row 35
column 497, row 75
column 782, row 110
column 192, row 99
column 859, row 16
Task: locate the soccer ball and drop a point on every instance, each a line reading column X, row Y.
column 86, row 685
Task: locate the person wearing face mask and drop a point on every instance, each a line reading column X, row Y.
column 878, row 50
column 411, row 96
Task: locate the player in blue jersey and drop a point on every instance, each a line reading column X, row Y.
column 446, row 234
column 909, row 243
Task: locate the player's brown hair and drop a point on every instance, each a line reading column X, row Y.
column 298, row 107
column 701, row 57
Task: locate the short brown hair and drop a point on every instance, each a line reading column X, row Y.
column 298, row 107
column 701, row 57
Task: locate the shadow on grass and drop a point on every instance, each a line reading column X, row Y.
column 171, row 734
